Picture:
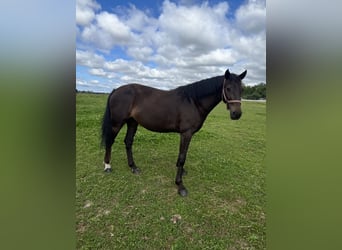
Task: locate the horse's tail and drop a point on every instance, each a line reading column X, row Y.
column 107, row 132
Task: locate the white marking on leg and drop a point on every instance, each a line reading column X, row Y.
column 107, row 166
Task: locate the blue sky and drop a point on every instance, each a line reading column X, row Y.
column 165, row 44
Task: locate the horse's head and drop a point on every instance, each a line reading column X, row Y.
column 231, row 93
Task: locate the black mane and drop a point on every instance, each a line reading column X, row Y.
column 200, row 89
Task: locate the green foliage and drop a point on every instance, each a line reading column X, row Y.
column 225, row 208
column 254, row 92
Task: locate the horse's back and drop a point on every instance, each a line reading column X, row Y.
column 137, row 90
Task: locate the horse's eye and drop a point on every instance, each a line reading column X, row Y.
column 228, row 88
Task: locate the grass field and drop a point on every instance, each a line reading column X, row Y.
column 225, row 208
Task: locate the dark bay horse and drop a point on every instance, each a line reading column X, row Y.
column 182, row 110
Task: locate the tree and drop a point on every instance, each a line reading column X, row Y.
column 254, row 92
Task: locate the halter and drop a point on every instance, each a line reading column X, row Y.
column 224, row 97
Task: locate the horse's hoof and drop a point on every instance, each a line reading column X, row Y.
column 183, row 192
column 108, row 170
column 135, row 170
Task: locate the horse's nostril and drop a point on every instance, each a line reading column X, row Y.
column 235, row 115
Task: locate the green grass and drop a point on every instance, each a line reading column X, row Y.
column 225, row 208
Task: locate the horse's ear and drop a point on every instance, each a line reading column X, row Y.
column 243, row 74
column 227, row 74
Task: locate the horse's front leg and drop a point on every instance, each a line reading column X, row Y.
column 183, row 149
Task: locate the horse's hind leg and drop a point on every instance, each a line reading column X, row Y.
column 109, row 142
column 132, row 126
column 183, row 149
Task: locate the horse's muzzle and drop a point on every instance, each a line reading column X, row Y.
column 235, row 115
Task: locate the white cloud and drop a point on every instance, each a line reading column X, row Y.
column 85, row 11
column 110, row 23
column 185, row 43
column 140, row 53
column 97, row 72
column 200, row 27
column 81, row 82
column 107, row 32
column 84, row 85
column 89, row 59
column 122, row 66
column 137, row 20
column 251, row 17
column 217, row 57
column 93, row 35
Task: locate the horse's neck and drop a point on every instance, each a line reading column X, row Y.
column 207, row 104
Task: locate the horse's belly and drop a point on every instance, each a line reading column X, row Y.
column 156, row 122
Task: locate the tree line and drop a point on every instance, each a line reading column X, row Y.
column 254, row 92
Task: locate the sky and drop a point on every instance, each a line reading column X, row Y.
column 168, row 43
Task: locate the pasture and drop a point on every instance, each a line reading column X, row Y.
column 225, row 207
